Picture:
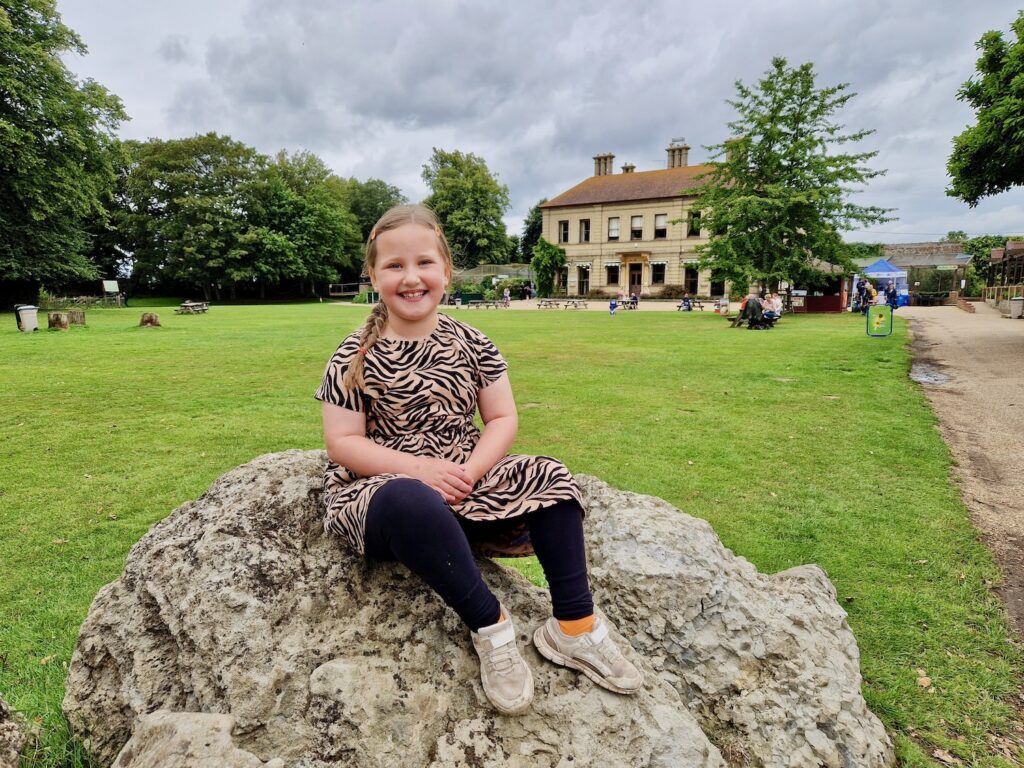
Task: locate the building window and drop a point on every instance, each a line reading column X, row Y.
column 613, row 274
column 613, row 228
column 690, row 275
column 636, row 228
column 717, row 285
column 693, row 224
column 584, row 230
column 657, row 274
column 563, row 231
column 660, row 226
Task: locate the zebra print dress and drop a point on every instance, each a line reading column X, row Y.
column 420, row 397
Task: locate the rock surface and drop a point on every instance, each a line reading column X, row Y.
column 237, row 605
column 186, row 740
column 12, row 737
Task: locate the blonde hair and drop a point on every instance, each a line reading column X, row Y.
column 377, row 321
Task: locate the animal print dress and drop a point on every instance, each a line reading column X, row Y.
column 420, row 397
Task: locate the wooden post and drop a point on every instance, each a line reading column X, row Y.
column 76, row 316
column 150, row 320
column 57, row 321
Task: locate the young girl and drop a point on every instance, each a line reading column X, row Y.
column 411, row 478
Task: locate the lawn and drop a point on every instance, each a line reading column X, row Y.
column 804, row 444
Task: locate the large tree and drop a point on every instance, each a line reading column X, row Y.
column 185, row 201
column 777, row 195
column 988, row 157
column 533, row 225
column 368, row 200
column 55, row 134
column 547, row 259
column 470, row 204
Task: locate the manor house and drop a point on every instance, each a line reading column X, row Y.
column 632, row 232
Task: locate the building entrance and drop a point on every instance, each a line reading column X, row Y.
column 636, row 274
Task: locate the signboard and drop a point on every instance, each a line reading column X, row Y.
column 946, row 267
column 879, row 320
column 110, row 286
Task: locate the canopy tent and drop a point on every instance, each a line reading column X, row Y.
column 882, row 272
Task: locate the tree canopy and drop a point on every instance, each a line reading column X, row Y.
column 209, row 212
column 56, row 133
column 776, row 197
column 988, row 157
column 470, row 204
column 547, row 260
column 533, row 225
column 368, row 200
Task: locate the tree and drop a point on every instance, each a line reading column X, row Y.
column 776, row 198
column 547, row 260
column 988, row 157
column 533, row 224
column 184, row 207
column 55, row 133
column 954, row 236
column 470, row 203
column 368, row 200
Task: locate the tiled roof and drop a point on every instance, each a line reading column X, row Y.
column 639, row 185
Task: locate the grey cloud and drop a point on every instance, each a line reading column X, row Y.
column 175, row 49
column 539, row 87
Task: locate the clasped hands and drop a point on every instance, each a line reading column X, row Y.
column 453, row 481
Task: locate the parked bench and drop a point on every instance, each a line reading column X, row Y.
column 192, row 307
column 484, row 304
column 575, row 304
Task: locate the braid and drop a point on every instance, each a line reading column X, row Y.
column 372, row 331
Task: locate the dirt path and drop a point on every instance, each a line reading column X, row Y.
column 972, row 371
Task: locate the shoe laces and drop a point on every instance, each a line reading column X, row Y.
column 503, row 658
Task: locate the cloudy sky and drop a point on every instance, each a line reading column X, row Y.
column 537, row 87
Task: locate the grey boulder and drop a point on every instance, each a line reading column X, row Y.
column 237, row 607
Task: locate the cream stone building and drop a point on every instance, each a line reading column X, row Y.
column 632, row 232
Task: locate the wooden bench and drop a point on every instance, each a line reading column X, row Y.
column 694, row 304
column 192, row 307
column 575, row 304
column 484, row 304
column 548, row 304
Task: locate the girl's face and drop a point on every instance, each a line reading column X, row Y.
column 411, row 274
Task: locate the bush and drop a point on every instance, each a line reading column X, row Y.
column 672, row 292
column 597, row 293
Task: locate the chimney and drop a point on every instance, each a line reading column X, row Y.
column 678, row 153
column 628, row 168
column 603, row 164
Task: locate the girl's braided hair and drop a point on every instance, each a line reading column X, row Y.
column 378, row 319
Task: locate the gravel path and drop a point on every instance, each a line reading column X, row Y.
column 972, row 370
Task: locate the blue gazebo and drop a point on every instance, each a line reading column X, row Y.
column 882, row 271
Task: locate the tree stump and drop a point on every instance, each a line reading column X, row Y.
column 150, row 320
column 58, row 321
column 76, row 316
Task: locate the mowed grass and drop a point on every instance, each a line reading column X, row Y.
column 804, row 444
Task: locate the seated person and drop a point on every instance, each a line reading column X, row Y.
column 752, row 314
column 634, row 300
column 685, row 304
column 773, row 307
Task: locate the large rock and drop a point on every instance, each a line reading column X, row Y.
column 186, row 740
column 12, row 737
column 238, row 605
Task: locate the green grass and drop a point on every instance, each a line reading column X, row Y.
column 804, row 444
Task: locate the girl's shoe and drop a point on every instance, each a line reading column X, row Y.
column 593, row 653
column 506, row 678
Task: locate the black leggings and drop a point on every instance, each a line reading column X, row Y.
column 410, row 522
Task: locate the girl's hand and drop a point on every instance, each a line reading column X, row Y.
column 449, row 479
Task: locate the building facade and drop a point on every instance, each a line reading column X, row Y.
column 632, row 232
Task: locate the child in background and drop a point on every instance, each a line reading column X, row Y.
column 411, row 478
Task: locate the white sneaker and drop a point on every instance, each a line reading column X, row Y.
column 507, row 680
column 593, row 653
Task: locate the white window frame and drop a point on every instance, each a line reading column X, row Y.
column 613, row 231
column 633, row 228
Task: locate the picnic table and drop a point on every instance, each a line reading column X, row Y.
column 548, row 304
column 627, row 304
column 694, row 304
column 484, row 304
column 192, row 307
column 575, row 304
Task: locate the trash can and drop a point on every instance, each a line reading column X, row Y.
column 1017, row 307
column 27, row 317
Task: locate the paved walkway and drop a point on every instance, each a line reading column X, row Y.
column 972, row 371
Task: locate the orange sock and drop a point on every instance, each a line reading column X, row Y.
column 577, row 627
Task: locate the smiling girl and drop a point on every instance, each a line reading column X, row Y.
column 411, row 478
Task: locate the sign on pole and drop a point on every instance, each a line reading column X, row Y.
column 879, row 320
